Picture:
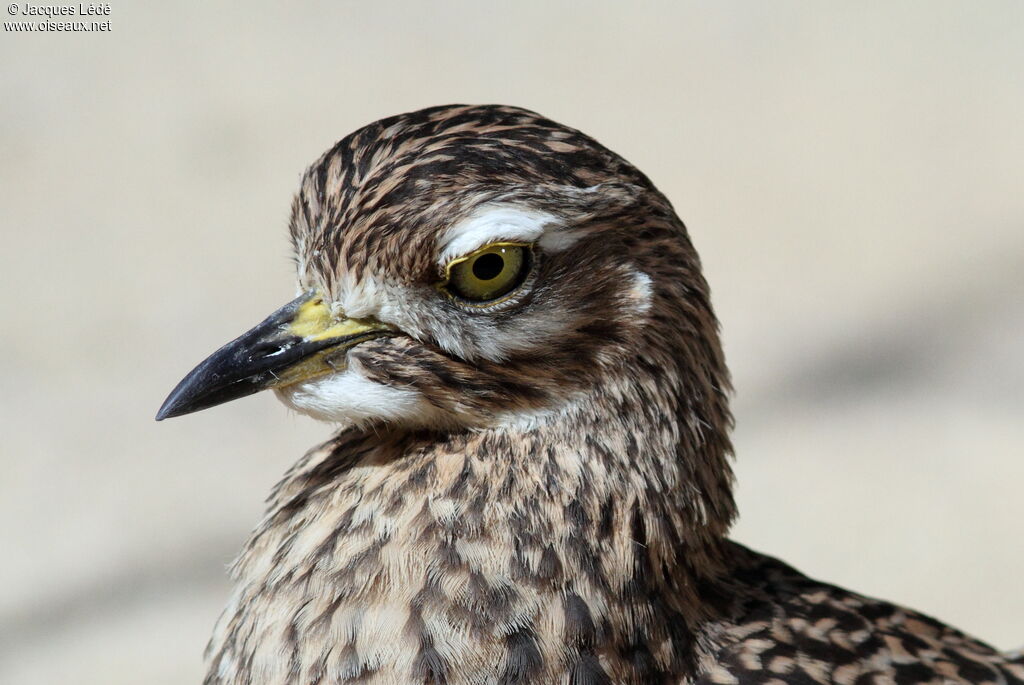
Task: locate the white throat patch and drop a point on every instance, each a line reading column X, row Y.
column 350, row 398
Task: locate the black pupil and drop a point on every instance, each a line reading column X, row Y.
column 488, row 266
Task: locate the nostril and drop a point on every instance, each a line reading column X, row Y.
column 269, row 349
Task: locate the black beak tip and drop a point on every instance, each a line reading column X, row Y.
column 171, row 407
column 193, row 393
column 204, row 387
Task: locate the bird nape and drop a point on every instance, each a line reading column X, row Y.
column 531, row 482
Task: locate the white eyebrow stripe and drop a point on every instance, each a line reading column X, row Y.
column 497, row 223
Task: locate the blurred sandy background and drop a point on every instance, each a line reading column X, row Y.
column 852, row 174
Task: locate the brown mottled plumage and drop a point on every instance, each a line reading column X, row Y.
column 536, row 490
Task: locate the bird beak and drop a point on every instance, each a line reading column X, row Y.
column 300, row 340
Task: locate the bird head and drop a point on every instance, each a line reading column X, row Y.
column 476, row 266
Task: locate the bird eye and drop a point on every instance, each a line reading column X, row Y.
column 489, row 273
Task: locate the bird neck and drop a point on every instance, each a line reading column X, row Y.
column 629, row 484
column 596, row 526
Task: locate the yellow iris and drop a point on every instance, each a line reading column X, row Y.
column 489, row 273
